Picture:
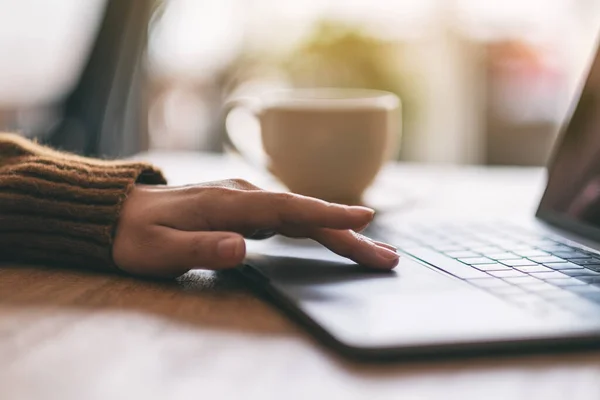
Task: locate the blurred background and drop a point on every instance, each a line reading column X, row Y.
column 482, row 82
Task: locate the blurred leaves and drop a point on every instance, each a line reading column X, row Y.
column 334, row 54
column 339, row 54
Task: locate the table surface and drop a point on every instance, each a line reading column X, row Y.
column 74, row 335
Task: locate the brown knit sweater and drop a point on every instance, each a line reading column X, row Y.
column 61, row 209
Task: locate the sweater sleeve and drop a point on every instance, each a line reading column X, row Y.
column 61, row 209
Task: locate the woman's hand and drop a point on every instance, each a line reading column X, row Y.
column 166, row 231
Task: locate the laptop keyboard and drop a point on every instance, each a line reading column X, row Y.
column 528, row 269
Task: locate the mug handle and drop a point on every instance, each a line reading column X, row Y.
column 243, row 141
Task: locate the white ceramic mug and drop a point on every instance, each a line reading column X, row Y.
column 327, row 143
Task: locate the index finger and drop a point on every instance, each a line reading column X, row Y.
column 263, row 209
column 358, row 248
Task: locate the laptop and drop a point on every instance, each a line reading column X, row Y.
column 462, row 288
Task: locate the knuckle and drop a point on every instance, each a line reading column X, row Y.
column 294, row 207
column 238, row 183
column 195, row 192
column 221, row 194
column 197, row 248
column 241, row 182
column 285, row 198
column 217, row 205
column 283, row 205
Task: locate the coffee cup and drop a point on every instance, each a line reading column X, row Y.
column 327, row 143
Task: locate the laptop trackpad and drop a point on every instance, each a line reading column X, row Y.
column 314, row 272
column 363, row 307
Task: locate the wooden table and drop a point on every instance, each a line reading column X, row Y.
column 73, row 335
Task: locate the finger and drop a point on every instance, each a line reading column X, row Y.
column 356, row 247
column 385, row 245
column 304, row 232
column 182, row 250
column 235, row 183
column 262, row 209
column 240, row 184
column 361, row 228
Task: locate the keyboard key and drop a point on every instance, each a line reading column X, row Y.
column 487, row 250
column 588, row 261
column 558, row 294
column 540, row 287
column 492, row 267
column 523, row 280
column 507, row 291
column 569, row 254
column 525, row 237
column 475, row 260
column 516, row 247
column 551, row 248
column 566, row 282
column 534, row 268
column 462, row 254
column 582, row 253
column 589, row 279
column 593, row 296
column 583, row 289
column 580, row 259
column 449, row 248
column 547, row 259
column 509, row 245
column 488, row 283
column 503, row 256
column 507, row 274
column 548, row 275
column 561, row 266
column 461, row 237
column 531, row 253
column 447, row 264
column 471, row 244
column 518, row 263
column 580, row 272
column 437, row 241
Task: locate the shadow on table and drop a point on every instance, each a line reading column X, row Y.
column 209, row 300
column 213, row 300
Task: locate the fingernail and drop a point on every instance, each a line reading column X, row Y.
column 387, row 254
column 362, row 210
column 385, row 245
column 230, row 248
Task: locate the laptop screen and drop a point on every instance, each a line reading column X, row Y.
column 572, row 196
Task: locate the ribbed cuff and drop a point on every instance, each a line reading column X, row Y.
column 63, row 210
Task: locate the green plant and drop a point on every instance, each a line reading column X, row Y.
column 338, row 54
